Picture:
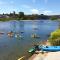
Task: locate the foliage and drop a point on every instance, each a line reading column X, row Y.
column 55, row 37
column 53, row 18
column 21, row 14
column 8, row 19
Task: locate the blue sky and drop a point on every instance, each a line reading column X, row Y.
column 48, row 7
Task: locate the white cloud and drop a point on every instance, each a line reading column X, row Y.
column 39, row 11
column 34, row 11
column 47, row 12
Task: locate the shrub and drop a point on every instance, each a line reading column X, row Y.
column 53, row 18
column 55, row 37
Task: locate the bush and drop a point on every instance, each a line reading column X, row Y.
column 55, row 37
column 53, row 18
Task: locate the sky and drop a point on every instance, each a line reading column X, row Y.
column 47, row 7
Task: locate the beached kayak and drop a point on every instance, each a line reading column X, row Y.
column 31, row 50
column 51, row 48
column 45, row 48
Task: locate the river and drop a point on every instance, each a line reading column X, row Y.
column 13, row 48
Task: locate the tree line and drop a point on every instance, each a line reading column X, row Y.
column 22, row 16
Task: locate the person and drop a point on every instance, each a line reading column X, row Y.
column 10, row 34
column 37, row 47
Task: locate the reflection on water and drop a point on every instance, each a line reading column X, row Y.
column 18, row 45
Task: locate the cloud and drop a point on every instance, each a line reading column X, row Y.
column 47, row 12
column 34, row 11
column 39, row 11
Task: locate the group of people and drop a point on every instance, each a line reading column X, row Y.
column 15, row 34
column 11, row 34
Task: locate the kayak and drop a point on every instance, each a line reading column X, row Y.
column 51, row 48
column 31, row 50
column 45, row 48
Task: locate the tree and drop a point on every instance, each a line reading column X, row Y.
column 42, row 16
column 14, row 13
column 21, row 15
column 3, row 13
column 11, row 14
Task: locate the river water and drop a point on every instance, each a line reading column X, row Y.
column 11, row 48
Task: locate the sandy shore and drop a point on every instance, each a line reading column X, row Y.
column 53, row 56
column 40, row 56
column 46, row 56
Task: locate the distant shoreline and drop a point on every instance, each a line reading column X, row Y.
column 25, row 20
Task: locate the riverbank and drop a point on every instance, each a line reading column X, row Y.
column 38, row 56
column 18, row 19
column 45, row 55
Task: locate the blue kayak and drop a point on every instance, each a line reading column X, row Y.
column 45, row 48
column 50, row 48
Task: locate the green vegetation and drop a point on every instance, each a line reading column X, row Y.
column 8, row 19
column 53, row 18
column 22, row 16
column 55, row 38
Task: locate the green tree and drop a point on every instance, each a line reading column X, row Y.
column 14, row 12
column 21, row 15
column 42, row 16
